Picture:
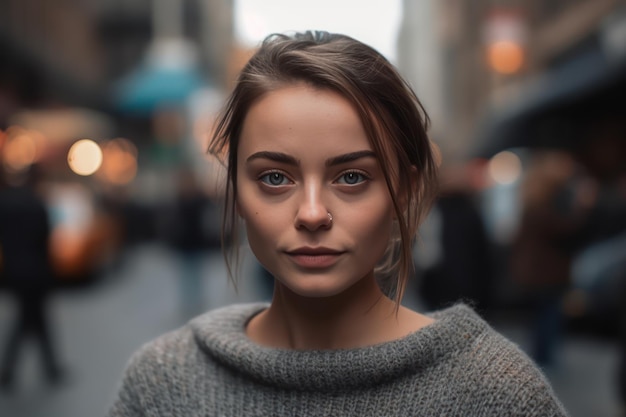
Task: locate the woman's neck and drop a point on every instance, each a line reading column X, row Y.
column 360, row 316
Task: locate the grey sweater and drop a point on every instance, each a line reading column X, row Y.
column 457, row 366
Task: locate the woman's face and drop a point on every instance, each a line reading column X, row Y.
column 303, row 153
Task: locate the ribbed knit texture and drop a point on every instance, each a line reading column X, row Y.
column 457, row 366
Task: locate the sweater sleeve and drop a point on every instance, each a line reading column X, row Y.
column 516, row 386
column 128, row 401
column 153, row 380
column 532, row 395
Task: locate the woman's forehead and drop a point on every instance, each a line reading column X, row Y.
column 302, row 117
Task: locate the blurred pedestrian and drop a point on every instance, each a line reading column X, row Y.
column 27, row 272
column 193, row 232
column 460, row 268
column 330, row 170
column 556, row 200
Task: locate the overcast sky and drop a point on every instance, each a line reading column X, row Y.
column 374, row 22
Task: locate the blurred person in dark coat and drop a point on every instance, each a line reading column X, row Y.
column 192, row 229
column 557, row 197
column 454, row 260
column 27, row 273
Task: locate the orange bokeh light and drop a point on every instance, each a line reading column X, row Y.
column 119, row 166
column 19, row 152
column 505, row 57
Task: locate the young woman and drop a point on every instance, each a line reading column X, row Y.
column 330, row 170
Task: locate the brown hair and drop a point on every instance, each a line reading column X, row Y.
column 392, row 116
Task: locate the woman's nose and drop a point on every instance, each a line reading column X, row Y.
column 312, row 213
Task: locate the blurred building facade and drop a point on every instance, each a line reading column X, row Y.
column 70, row 51
column 525, row 77
column 485, row 60
column 109, row 66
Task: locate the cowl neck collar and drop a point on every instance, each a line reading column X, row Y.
column 221, row 334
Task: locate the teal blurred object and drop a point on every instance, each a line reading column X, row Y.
column 149, row 88
column 167, row 78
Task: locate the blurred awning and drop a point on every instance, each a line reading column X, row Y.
column 167, row 78
column 552, row 109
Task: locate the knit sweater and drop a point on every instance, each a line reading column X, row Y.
column 457, row 366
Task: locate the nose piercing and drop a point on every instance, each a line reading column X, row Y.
column 330, row 217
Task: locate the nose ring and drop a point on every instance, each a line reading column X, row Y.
column 330, row 217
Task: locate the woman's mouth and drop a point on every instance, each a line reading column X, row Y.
column 314, row 257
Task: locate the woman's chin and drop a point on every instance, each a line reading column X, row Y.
column 316, row 287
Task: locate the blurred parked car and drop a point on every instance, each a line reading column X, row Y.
column 84, row 239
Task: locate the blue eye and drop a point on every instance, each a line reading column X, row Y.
column 274, row 179
column 351, row 178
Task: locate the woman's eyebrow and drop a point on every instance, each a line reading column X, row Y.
column 274, row 156
column 350, row 157
column 290, row 160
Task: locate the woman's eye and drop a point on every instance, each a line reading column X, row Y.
column 274, row 179
column 351, row 178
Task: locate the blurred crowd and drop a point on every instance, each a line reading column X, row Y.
column 563, row 262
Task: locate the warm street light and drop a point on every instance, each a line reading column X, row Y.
column 505, row 57
column 505, row 38
column 84, row 157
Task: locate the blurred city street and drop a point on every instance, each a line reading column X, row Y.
column 106, row 110
column 98, row 328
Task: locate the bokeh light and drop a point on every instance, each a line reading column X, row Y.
column 505, row 168
column 119, row 164
column 19, row 150
column 505, row 57
column 84, row 157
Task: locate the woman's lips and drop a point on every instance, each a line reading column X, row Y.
column 314, row 258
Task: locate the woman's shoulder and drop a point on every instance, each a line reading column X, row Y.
column 181, row 345
column 173, row 362
column 466, row 334
column 494, row 370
